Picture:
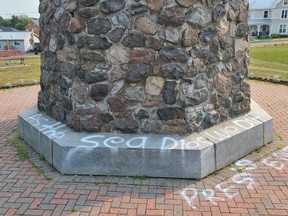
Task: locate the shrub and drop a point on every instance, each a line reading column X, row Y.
column 7, row 85
column 277, row 35
column 276, row 78
column 21, row 82
column 33, row 82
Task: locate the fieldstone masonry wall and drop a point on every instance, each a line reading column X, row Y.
column 144, row 66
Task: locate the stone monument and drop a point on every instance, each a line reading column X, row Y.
column 134, row 71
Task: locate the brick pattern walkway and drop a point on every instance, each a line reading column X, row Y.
column 254, row 185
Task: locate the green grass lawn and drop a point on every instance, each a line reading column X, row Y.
column 13, row 73
column 268, row 61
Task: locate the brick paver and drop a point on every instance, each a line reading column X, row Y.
column 254, row 185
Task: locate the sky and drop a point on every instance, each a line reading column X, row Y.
column 19, row 7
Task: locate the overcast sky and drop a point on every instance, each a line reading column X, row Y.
column 19, row 7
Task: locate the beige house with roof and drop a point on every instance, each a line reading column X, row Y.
column 268, row 17
column 17, row 40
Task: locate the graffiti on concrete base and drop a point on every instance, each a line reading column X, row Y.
column 52, row 131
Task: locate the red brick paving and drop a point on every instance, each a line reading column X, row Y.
column 257, row 185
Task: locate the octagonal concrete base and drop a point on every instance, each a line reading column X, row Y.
column 193, row 156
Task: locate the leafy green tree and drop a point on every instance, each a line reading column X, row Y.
column 7, row 22
column 22, row 22
column 1, row 20
column 18, row 22
column 14, row 20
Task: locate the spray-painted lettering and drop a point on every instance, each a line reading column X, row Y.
column 53, row 130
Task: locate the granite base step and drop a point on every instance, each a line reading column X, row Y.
column 193, row 156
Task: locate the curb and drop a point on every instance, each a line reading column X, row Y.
column 8, row 85
column 281, row 82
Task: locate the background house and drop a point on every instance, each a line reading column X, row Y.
column 268, row 17
column 18, row 40
column 7, row 28
column 33, row 25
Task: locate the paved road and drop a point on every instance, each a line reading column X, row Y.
column 255, row 185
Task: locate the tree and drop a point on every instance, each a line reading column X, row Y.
column 1, row 20
column 18, row 22
column 14, row 20
column 7, row 22
column 22, row 22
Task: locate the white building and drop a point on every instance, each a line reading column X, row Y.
column 17, row 40
column 268, row 17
